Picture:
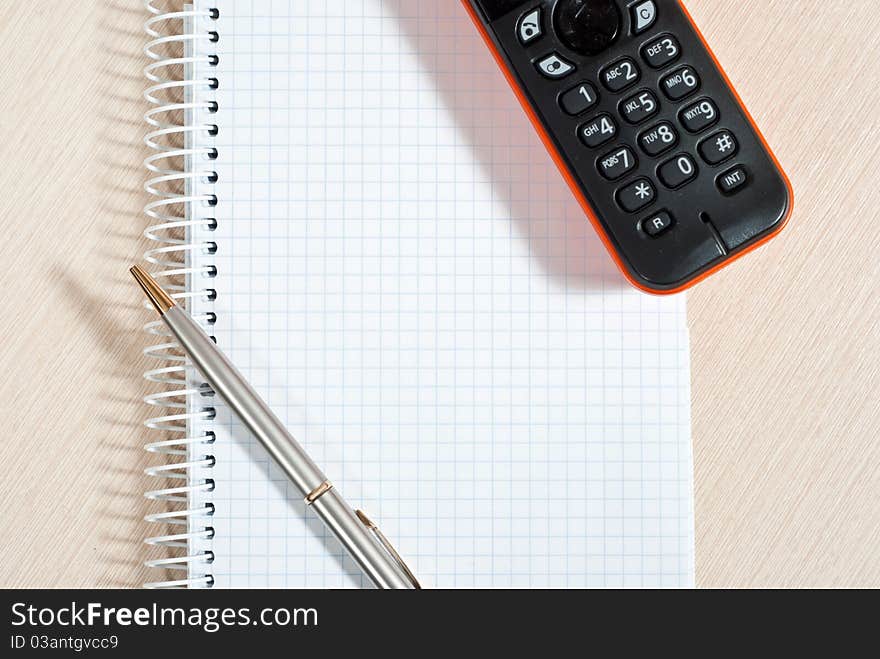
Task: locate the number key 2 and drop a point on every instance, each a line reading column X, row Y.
column 620, row 75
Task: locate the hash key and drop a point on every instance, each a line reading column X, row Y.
column 719, row 147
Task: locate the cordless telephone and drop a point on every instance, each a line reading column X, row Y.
column 646, row 128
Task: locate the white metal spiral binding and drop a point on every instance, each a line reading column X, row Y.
column 172, row 168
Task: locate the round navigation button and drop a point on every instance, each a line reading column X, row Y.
column 587, row 26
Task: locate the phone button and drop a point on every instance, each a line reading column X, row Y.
column 553, row 66
column 718, row 148
column 658, row 224
column 680, row 83
column 644, row 15
column 699, row 116
column 640, row 107
column 733, row 180
column 580, row 99
column 617, row 163
column 662, row 51
column 621, row 75
column 530, row 27
column 598, row 131
column 637, row 195
column 658, row 139
column 678, row 171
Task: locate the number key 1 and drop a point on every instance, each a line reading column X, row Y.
column 580, row 99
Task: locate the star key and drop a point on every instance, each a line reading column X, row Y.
column 637, row 195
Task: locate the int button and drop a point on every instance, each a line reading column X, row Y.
column 658, row 224
column 733, row 180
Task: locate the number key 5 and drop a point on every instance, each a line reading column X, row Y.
column 640, row 107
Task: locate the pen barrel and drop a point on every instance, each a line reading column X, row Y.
column 362, row 546
column 246, row 403
column 382, row 569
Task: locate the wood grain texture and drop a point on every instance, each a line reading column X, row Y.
column 786, row 344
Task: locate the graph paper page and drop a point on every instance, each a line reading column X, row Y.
column 404, row 276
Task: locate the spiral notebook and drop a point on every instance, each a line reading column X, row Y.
column 376, row 236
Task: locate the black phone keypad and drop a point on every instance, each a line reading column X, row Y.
column 648, row 126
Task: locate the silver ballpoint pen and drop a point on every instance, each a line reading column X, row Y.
column 363, row 540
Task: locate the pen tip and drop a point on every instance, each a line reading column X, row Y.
column 160, row 299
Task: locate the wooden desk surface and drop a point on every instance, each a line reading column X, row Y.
column 786, row 345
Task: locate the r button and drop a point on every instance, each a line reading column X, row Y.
column 658, row 224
